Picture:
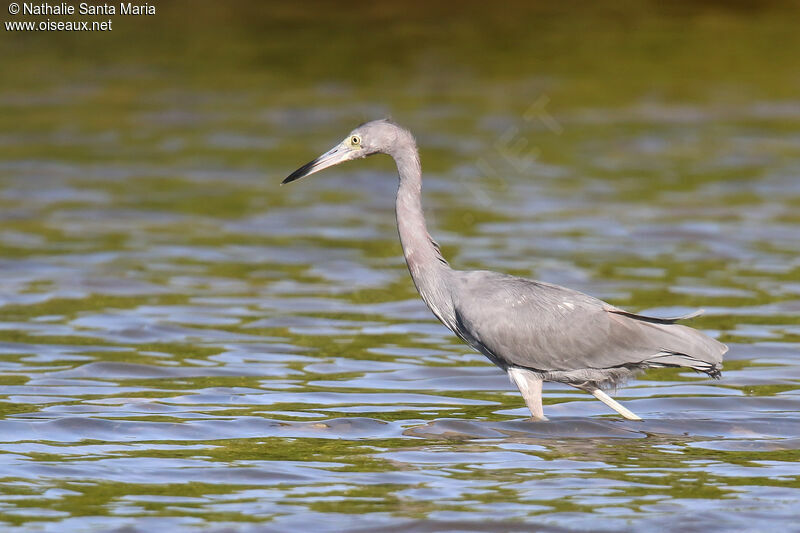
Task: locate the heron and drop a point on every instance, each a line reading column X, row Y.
column 533, row 330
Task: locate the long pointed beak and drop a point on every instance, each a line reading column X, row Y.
column 334, row 156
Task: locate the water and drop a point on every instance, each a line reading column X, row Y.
column 187, row 345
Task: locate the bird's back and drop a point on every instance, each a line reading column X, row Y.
column 567, row 335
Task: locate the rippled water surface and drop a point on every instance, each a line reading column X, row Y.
column 185, row 344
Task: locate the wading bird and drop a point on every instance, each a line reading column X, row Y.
column 534, row 331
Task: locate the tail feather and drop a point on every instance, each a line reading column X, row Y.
column 681, row 346
column 674, row 359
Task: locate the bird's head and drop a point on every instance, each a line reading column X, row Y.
column 378, row 136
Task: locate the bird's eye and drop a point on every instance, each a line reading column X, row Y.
column 355, row 140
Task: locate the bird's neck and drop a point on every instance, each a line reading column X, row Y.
column 424, row 259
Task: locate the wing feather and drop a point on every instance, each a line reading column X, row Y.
column 519, row 322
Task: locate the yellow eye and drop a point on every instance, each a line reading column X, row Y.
column 355, row 140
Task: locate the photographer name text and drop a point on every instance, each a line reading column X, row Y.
column 85, row 8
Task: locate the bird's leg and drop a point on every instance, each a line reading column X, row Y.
column 614, row 404
column 530, row 386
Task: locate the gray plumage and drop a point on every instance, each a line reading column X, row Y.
column 535, row 331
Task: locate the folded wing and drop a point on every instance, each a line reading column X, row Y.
column 544, row 327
